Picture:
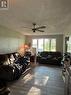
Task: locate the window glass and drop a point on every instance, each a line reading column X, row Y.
column 40, row 45
column 46, row 44
column 53, row 44
column 34, row 43
column 69, row 45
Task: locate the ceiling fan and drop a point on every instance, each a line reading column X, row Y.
column 36, row 28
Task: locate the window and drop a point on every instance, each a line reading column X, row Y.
column 34, row 43
column 53, row 45
column 40, row 45
column 69, row 45
column 44, row 44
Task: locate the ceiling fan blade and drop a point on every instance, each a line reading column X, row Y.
column 27, row 27
column 37, row 30
column 40, row 27
column 40, row 30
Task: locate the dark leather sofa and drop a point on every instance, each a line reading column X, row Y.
column 13, row 70
column 49, row 57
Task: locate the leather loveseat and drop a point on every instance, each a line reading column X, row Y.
column 49, row 57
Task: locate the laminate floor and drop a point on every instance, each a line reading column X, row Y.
column 39, row 80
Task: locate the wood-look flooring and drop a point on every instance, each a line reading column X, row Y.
column 39, row 80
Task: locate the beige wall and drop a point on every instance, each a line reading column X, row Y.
column 59, row 40
column 10, row 40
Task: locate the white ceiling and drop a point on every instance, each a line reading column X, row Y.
column 55, row 14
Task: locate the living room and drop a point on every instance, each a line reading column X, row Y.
column 45, row 25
